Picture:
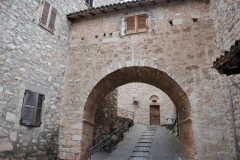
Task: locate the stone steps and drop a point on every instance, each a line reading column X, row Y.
column 142, row 148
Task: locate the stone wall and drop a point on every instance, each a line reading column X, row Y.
column 143, row 92
column 98, row 3
column 32, row 58
column 226, row 17
column 106, row 116
column 176, row 44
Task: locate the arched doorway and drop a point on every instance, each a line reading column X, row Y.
column 139, row 74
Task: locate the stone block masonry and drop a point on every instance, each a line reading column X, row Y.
column 184, row 52
column 226, row 17
column 106, row 117
column 31, row 58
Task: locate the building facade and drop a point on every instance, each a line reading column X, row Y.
column 75, row 61
column 140, row 98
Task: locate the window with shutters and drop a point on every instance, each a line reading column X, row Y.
column 32, row 108
column 48, row 17
column 89, row 3
column 136, row 24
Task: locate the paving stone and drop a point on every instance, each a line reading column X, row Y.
column 145, row 140
column 147, row 137
column 143, row 144
column 138, row 158
column 148, row 134
column 142, row 149
column 140, row 154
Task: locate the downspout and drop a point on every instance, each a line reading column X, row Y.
column 233, row 123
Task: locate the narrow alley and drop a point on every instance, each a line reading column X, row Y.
column 144, row 143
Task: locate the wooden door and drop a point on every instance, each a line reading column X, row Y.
column 154, row 115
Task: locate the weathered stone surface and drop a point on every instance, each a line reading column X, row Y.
column 3, row 132
column 6, row 146
column 62, row 155
column 140, row 154
column 70, row 156
column 76, row 138
column 177, row 21
column 29, row 54
column 13, row 136
column 32, row 54
column 142, row 149
column 106, row 116
column 75, row 149
column 1, row 89
column 77, row 126
column 11, row 117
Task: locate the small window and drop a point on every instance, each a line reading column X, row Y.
column 48, row 17
column 136, row 24
column 89, row 3
column 32, row 109
column 154, row 101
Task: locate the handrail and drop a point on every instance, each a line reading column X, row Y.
column 125, row 110
column 107, row 140
column 132, row 112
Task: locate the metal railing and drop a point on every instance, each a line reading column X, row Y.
column 128, row 112
column 107, row 141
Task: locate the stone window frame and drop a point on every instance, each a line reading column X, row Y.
column 46, row 26
column 123, row 31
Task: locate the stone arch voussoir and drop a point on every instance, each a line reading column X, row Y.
column 117, row 74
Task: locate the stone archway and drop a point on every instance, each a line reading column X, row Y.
column 126, row 75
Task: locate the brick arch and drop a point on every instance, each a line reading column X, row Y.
column 143, row 74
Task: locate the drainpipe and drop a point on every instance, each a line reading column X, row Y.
column 233, row 123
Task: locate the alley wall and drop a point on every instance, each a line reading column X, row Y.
column 142, row 93
column 226, row 17
column 32, row 58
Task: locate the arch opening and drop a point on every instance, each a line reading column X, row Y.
column 160, row 80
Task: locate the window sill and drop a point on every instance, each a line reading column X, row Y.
column 43, row 26
column 137, row 32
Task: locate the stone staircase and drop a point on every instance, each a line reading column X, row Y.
column 142, row 149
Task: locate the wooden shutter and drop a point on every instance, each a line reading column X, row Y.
column 41, row 98
column 141, row 23
column 52, row 19
column 32, row 108
column 90, row 2
column 45, row 12
column 130, row 26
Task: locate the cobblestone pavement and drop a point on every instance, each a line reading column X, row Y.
column 163, row 147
